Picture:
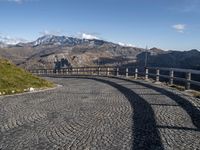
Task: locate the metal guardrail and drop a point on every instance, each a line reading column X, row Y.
column 188, row 74
column 126, row 71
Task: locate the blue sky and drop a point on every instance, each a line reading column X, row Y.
column 166, row 24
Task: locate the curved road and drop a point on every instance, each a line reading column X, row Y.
column 100, row 113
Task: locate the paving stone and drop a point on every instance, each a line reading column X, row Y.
column 98, row 113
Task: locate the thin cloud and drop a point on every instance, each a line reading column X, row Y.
column 47, row 32
column 126, row 45
column 17, row 1
column 11, row 40
column 186, row 6
column 179, row 27
column 87, row 36
column 191, row 6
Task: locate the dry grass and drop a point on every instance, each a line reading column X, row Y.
column 16, row 79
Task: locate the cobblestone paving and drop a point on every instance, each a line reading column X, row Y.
column 100, row 113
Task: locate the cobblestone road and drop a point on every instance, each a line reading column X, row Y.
column 100, row 113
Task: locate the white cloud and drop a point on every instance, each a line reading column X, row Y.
column 17, row 1
column 126, row 45
column 87, row 36
column 47, row 32
column 179, row 27
column 11, row 40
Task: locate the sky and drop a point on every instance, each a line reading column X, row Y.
column 165, row 24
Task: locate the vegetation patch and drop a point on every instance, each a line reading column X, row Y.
column 178, row 87
column 195, row 94
column 16, row 80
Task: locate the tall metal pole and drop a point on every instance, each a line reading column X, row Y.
column 146, row 57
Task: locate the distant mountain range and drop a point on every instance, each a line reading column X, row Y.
column 6, row 41
column 42, row 53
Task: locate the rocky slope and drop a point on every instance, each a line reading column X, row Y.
column 79, row 52
column 173, row 59
column 42, row 53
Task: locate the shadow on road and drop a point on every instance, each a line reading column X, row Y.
column 144, row 131
column 191, row 110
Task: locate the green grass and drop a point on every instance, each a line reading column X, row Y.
column 16, row 79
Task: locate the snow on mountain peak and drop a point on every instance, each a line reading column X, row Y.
column 11, row 41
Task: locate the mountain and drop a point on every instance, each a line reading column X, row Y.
column 6, row 40
column 2, row 45
column 43, row 52
column 65, row 41
column 175, row 59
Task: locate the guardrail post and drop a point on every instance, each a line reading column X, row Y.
column 117, row 71
column 67, row 71
column 106, row 71
column 171, row 77
column 126, row 72
column 188, row 79
column 146, row 73
column 136, row 73
column 99, row 69
column 157, row 75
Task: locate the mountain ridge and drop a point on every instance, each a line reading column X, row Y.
column 42, row 53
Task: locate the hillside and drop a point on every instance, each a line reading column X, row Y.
column 172, row 59
column 42, row 53
column 16, row 80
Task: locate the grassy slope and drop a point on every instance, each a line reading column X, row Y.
column 13, row 78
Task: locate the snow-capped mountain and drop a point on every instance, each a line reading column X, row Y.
column 6, row 40
column 2, row 45
column 65, row 41
column 48, row 40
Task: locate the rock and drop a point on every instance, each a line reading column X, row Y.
column 31, row 89
column 26, row 90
